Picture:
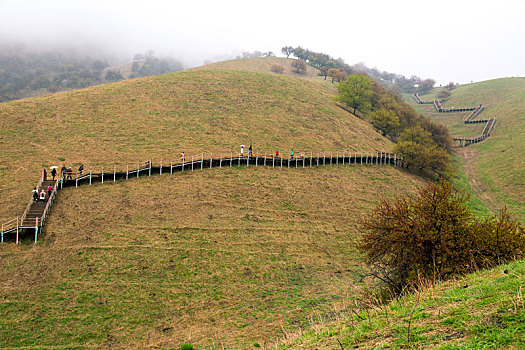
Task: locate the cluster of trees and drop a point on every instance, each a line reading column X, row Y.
column 255, row 54
column 25, row 72
column 446, row 91
column 432, row 235
column 337, row 69
column 422, row 143
column 148, row 64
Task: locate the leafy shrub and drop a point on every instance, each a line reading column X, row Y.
column 186, row 347
column 433, row 235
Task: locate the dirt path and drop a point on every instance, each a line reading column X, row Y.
column 469, row 155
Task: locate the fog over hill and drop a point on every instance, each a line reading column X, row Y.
column 455, row 41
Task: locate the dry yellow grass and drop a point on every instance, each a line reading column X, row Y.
column 264, row 65
column 158, row 117
column 229, row 256
column 219, row 257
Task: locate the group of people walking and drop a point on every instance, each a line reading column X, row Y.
column 250, row 154
column 67, row 173
column 42, row 194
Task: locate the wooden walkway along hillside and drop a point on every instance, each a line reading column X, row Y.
column 464, row 141
column 35, row 215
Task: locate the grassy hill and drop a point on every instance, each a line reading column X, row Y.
column 484, row 310
column 220, row 257
column 227, row 257
column 494, row 166
column 264, row 65
column 158, row 117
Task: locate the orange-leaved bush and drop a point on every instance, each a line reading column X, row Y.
column 433, row 235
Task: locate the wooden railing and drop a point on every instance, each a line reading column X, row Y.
column 301, row 159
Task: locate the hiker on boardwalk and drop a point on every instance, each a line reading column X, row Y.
column 291, row 154
column 80, row 169
column 69, row 173
column 250, row 151
column 54, row 173
column 277, row 154
column 35, row 194
column 49, row 191
column 242, row 151
column 44, row 175
column 63, row 171
column 182, row 157
column 43, row 196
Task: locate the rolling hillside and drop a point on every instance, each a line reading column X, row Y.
column 495, row 166
column 158, row 117
column 221, row 258
column 264, row 65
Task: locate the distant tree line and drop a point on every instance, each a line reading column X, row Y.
column 25, row 72
column 337, row 69
column 148, row 64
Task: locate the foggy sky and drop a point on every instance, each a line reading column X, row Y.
column 458, row 41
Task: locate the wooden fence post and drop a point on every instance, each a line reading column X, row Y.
column 231, row 159
column 127, row 171
column 343, row 157
column 17, row 226
column 90, row 176
column 202, row 160
column 36, row 230
column 337, row 158
column 211, row 159
column 138, row 169
column 191, row 163
column 160, row 169
column 114, row 172
column 324, row 157
column 149, row 173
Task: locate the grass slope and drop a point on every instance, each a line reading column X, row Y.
column 484, row 310
column 220, row 257
column 158, row 117
column 223, row 257
column 264, row 65
column 497, row 163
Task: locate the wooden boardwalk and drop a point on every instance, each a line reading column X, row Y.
column 464, row 141
column 36, row 212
